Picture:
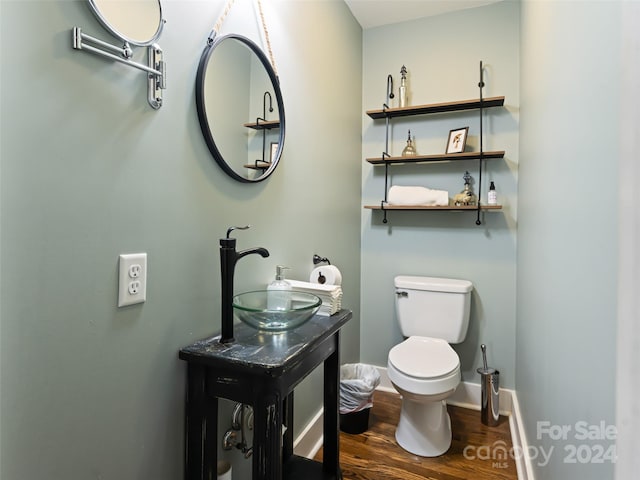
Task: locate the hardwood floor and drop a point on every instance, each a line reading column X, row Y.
column 375, row 455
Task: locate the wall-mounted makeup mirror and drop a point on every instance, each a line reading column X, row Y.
column 240, row 108
column 135, row 22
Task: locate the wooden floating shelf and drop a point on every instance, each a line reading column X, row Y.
column 258, row 165
column 263, row 125
column 433, row 207
column 444, row 157
column 437, row 108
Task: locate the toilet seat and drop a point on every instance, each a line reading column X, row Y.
column 424, row 366
column 424, row 357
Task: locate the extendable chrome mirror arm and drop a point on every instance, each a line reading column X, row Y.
column 155, row 68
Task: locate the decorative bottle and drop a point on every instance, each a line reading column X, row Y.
column 492, row 196
column 402, row 90
column 410, row 149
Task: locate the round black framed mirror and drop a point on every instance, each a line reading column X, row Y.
column 138, row 22
column 240, row 108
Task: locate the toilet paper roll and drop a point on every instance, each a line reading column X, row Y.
column 326, row 275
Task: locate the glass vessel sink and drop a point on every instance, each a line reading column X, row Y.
column 275, row 310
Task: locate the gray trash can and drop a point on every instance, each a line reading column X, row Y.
column 357, row 384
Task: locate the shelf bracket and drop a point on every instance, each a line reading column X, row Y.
column 384, row 211
column 265, row 96
column 480, row 161
column 155, row 68
column 386, row 146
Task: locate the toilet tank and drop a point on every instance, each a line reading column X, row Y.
column 433, row 307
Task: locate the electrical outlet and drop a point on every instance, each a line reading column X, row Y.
column 132, row 275
column 134, row 270
column 134, row 287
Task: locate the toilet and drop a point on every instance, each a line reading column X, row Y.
column 424, row 369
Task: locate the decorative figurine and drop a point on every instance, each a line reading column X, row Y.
column 402, row 90
column 466, row 196
column 410, row 149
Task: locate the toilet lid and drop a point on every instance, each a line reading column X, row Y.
column 424, row 357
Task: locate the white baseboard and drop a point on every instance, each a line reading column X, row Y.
column 467, row 395
column 309, row 441
column 519, row 440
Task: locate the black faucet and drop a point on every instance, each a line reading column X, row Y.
column 228, row 259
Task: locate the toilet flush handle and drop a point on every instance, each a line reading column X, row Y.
column 401, row 293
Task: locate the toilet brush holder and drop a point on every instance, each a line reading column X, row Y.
column 490, row 391
column 490, row 396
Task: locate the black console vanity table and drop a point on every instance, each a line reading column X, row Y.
column 262, row 369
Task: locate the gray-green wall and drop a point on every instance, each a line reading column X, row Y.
column 90, row 171
column 568, row 226
column 442, row 55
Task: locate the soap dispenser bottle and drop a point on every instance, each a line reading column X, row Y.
column 492, row 197
column 279, row 297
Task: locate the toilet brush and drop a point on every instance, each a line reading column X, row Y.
column 483, row 347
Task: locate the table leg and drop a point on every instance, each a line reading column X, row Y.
column 201, row 418
column 210, row 440
column 287, row 441
column 331, row 447
column 267, row 444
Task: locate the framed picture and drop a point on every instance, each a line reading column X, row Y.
column 274, row 151
column 457, row 140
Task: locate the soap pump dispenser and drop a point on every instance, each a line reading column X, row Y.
column 492, row 198
column 278, row 297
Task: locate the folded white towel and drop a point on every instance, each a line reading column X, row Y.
column 317, row 288
column 331, row 295
column 401, row 195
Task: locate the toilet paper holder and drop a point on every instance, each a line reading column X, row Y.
column 318, row 259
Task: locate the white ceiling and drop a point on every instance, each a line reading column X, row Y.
column 374, row 13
